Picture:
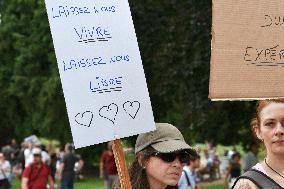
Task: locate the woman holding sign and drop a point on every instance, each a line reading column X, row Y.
column 270, row 130
column 160, row 156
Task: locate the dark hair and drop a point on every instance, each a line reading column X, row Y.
column 252, row 144
column 236, row 154
column 138, row 176
column 195, row 157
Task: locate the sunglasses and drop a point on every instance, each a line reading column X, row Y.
column 183, row 156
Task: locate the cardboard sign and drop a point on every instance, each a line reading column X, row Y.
column 247, row 57
column 100, row 69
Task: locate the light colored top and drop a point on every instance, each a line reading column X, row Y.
column 5, row 169
column 182, row 184
column 260, row 168
column 45, row 157
column 29, row 158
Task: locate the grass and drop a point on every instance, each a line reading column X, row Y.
column 88, row 183
column 95, row 183
column 214, row 186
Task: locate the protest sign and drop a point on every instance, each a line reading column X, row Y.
column 32, row 139
column 100, row 69
column 247, row 57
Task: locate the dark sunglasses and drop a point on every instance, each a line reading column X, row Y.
column 183, row 156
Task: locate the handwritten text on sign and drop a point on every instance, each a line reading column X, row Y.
column 100, row 69
column 247, row 57
column 267, row 56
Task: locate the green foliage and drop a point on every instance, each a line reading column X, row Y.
column 174, row 40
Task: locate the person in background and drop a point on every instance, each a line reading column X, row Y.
column 5, row 171
column 59, row 155
column 52, row 165
column 250, row 159
column 14, row 158
column 231, row 152
column 14, row 144
column 37, row 174
column 108, row 169
column 66, row 170
column 234, row 171
column 79, row 168
column 225, row 162
column 188, row 179
column 160, row 155
column 44, row 154
column 18, row 169
column 8, row 151
column 28, row 154
column 270, row 131
column 51, row 148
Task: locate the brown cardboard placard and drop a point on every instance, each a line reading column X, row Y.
column 247, row 53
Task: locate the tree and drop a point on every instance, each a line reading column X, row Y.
column 174, row 40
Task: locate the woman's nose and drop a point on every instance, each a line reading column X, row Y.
column 177, row 162
column 279, row 129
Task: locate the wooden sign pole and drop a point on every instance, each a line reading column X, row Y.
column 121, row 165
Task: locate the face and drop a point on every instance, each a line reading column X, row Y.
column 161, row 173
column 37, row 158
column 14, row 141
column 237, row 159
column 271, row 129
column 1, row 157
column 196, row 163
column 254, row 149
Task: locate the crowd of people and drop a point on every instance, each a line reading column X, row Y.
column 38, row 166
column 162, row 160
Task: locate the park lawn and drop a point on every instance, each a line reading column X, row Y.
column 88, row 183
column 214, row 186
column 95, row 183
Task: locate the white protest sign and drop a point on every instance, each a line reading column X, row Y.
column 100, row 69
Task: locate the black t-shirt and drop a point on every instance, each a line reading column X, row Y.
column 235, row 170
column 69, row 161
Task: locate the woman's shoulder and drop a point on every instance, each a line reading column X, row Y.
column 245, row 184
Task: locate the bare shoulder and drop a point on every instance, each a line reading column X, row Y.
column 245, row 184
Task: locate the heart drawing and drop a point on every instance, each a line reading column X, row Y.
column 85, row 118
column 109, row 112
column 131, row 108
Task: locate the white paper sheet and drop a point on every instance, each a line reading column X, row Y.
column 100, row 69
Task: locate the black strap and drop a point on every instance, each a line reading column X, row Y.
column 3, row 173
column 187, row 179
column 260, row 179
column 37, row 176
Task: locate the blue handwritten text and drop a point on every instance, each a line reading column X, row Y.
column 103, row 85
column 86, row 63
